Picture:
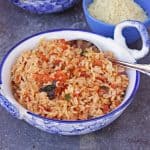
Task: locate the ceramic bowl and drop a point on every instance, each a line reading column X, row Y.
column 44, row 6
column 107, row 30
column 116, row 45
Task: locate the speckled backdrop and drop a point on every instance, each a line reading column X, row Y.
column 130, row 132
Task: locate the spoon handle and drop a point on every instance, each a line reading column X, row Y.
column 144, row 68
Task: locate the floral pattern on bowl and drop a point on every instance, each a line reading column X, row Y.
column 44, row 6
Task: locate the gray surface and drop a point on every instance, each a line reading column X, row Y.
column 130, row 132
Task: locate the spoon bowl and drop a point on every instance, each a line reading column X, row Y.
column 143, row 68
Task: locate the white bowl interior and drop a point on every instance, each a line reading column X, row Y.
column 99, row 41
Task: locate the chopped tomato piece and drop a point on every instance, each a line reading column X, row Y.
column 79, row 69
column 114, row 86
column 63, row 41
column 101, row 78
column 60, row 76
column 60, row 89
column 84, row 74
column 97, row 63
column 42, row 56
column 42, row 78
column 106, row 108
column 18, row 79
column 57, row 62
column 64, row 44
column 117, row 103
column 76, row 94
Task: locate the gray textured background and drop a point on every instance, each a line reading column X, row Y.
column 130, row 132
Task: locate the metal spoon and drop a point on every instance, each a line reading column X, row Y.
column 143, row 68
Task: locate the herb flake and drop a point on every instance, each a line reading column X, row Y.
column 50, row 90
column 83, row 52
column 47, row 88
column 67, row 97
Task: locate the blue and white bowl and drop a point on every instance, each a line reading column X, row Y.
column 116, row 45
column 44, row 6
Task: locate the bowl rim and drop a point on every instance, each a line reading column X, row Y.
column 86, row 12
column 119, row 108
column 33, row 3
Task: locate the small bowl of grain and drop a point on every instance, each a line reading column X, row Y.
column 103, row 16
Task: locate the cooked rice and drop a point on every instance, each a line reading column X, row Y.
column 87, row 84
column 116, row 11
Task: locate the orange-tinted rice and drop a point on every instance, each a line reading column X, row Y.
column 88, row 84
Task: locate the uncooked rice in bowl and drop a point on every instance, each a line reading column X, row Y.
column 59, row 80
